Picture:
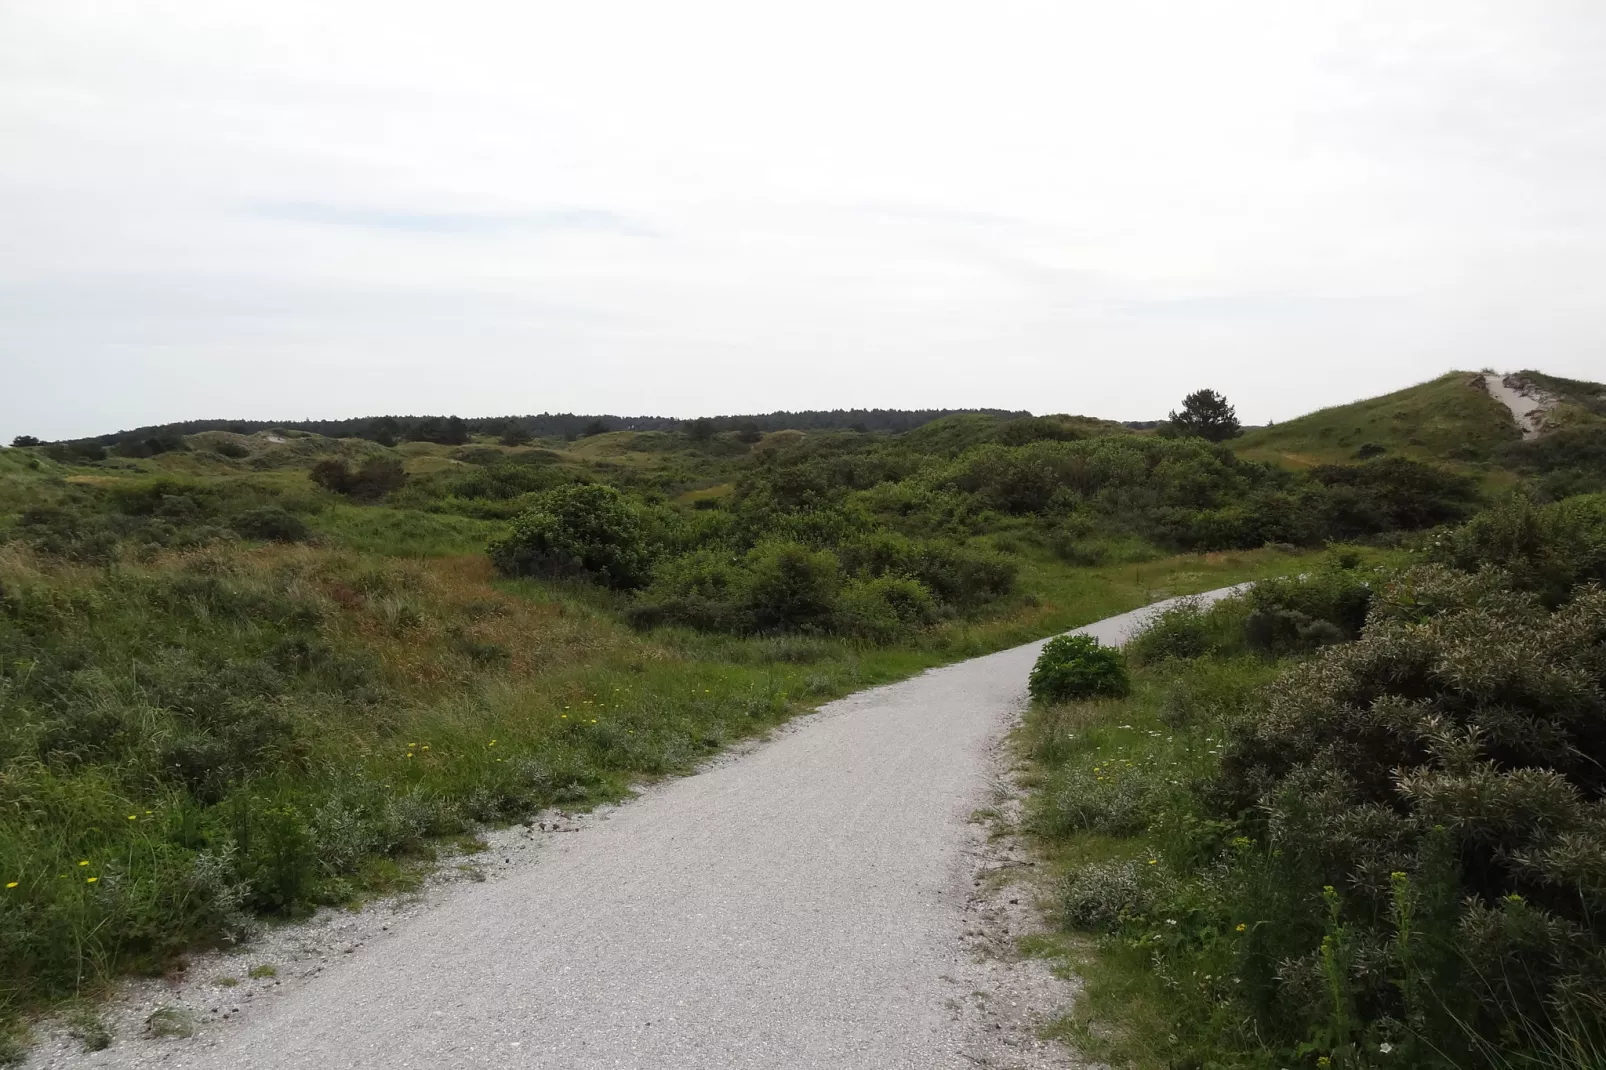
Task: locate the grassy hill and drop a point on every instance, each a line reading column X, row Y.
column 1448, row 419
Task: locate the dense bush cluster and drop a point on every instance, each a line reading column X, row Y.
column 874, row 537
column 1547, row 549
column 369, row 481
column 719, row 574
column 1390, row 851
column 588, row 530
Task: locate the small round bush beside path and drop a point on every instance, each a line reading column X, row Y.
column 1076, row 666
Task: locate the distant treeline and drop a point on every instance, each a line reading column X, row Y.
column 453, row 430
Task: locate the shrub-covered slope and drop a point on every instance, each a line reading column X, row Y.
column 1355, row 818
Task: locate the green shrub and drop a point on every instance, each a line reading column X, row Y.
column 705, row 589
column 516, row 435
column 958, row 576
column 277, row 860
column 1547, row 549
column 1210, row 693
column 504, row 479
column 792, row 588
column 1037, row 429
column 1076, row 666
column 586, row 530
column 1191, row 629
column 1111, row 800
column 1304, row 612
column 1104, row 896
column 1459, row 744
column 1392, row 494
column 883, row 609
column 1571, row 458
column 74, row 534
column 371, row 481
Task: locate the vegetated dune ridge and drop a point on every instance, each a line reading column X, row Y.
column 802, row 906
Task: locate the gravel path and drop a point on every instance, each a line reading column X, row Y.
column 803, row 905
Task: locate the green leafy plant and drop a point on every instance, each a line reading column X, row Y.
column 1076, row 666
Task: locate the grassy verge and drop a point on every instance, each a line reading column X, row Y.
column 1095, row 767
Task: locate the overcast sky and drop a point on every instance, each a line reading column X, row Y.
column 212, row 208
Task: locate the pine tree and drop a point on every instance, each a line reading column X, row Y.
column 1205, row 414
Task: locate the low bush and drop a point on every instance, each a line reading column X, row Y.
column 1547, row 549
column 884, row 609
column 69, row 533
column 1112, row 799
column 1191, row 629
column 791, row 588
column 1037, row 429
column 1308, row 611
column 1392, row 494
column 962, row 577
column 369, row 482
column 705, row 589
column 586, row 530
column 1105, row 896
column 1076, row 666
column 1570, row 459
column 504, row 479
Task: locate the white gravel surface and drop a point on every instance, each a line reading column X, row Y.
column 818, row 901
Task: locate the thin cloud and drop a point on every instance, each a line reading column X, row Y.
column 336, row 214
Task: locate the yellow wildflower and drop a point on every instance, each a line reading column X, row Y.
column 91, row 880
column 1242, row 927
column 11, row 884
column 133, row 817
column 85, row 862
